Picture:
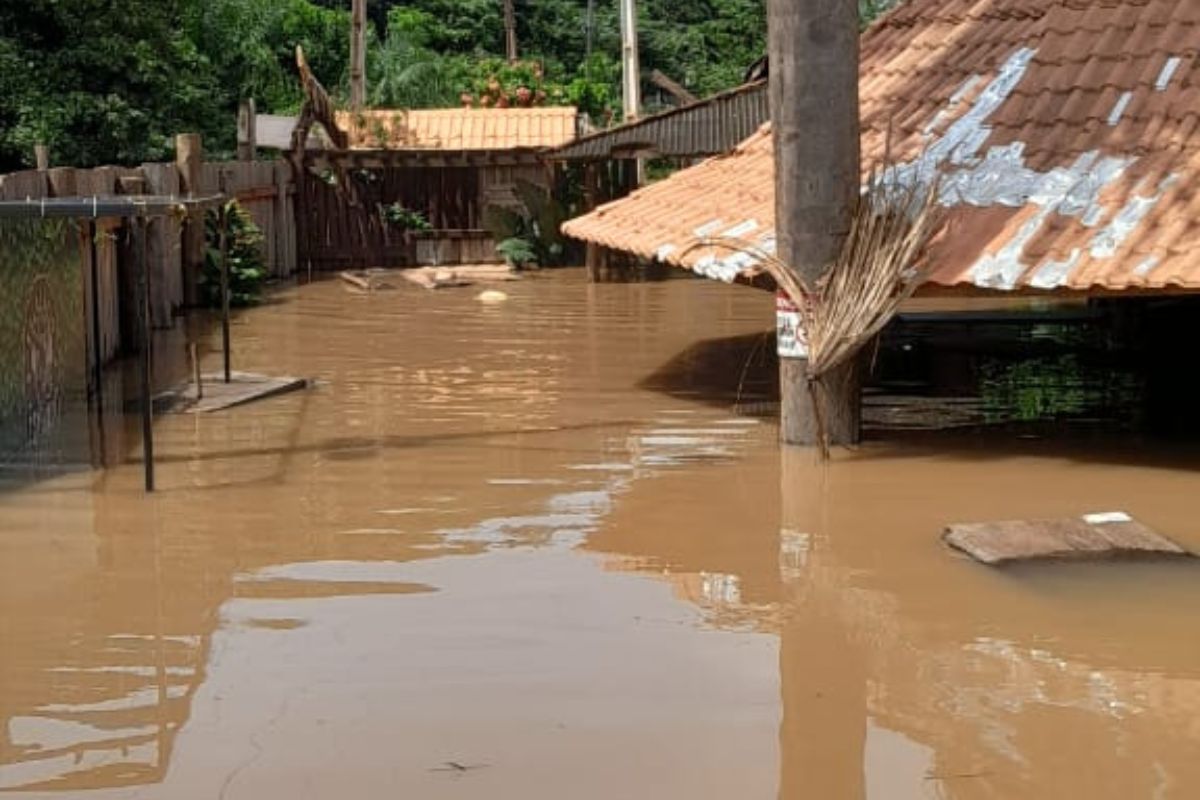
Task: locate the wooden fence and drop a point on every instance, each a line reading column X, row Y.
column 174, row 244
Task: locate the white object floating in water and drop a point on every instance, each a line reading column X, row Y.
column 1107, row 518
column 492, row 296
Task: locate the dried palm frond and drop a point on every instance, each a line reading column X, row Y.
column 878, row 268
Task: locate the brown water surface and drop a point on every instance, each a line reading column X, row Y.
column 528, row 551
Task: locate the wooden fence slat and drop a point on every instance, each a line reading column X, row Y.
column 163, row 248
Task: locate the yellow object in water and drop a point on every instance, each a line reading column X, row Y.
column 492, row 296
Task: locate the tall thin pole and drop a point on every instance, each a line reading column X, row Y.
column 590, row 25
column 147, row 363
column 631, row 83
column 223, row 238
column 813, row 48
column 510, row 31
column 358, row 54
column 631, row 76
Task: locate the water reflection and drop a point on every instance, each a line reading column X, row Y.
column 579, row 582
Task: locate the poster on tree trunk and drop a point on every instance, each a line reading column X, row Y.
column 789, row 330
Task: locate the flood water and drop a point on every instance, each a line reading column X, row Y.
column 529, row 550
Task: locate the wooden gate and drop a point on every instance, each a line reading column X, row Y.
column 337, row 232
column 339, row 229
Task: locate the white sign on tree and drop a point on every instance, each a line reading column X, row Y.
column 790, row 339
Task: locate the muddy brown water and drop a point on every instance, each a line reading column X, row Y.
column 528, row 551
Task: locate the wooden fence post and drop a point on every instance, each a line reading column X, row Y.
column 61, row 182
column 247, row 131
column 285, row 224
column 41, row 156
column 189, row 159
column 163, row 239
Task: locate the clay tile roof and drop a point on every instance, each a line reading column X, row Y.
column 460, row 128
column 1068, row 132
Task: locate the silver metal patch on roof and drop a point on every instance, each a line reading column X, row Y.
column 1118, row 109
column 1108, row 241
column 708, row 228
column 1053, row 274
column 1147, row 265
column 741, row 229
column 1168, row 72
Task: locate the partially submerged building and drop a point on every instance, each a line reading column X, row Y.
column 1065, row 134
column 683, row 135
column 448, row 165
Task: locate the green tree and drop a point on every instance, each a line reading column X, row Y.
column 98, row 80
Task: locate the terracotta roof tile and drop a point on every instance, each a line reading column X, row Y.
column 1102, row 125
column 460, row 128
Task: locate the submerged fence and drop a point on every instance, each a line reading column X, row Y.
column 75, row 281
column 264, row 188
column 43, row 344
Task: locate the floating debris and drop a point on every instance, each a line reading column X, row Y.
column 216, row 395
column 450, row 277
column 491, row 296
column 1107, row 535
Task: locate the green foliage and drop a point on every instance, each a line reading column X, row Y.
column 402, row 72
column 871, row 10
column 436, row 50
column 593, row 89
column 517, row 252
column 537, row 224
column 97, row 80
column 406, row 219
column 102, row 81
column 247, row 270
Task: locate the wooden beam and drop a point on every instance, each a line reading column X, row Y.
column 659, row 79
column 1103, row 535
column 317, row 108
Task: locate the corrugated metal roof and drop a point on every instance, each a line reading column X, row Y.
column 1067, row 131
column 459, row 128
column 274, row 132
column 710, row 126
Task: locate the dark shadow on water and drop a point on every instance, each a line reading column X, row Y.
column 730, row 372
column 1106, row 385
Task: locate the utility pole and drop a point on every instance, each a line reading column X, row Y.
column 510, row 31
column 631, row 83
column 813, row 48
column 358, row 54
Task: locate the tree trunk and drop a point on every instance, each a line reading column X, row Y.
column 813, row 47
column 358, row 54
column 510, row 31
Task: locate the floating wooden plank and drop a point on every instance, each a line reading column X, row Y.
column 1107, row 535
column 367, row 280
column 244, row 387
